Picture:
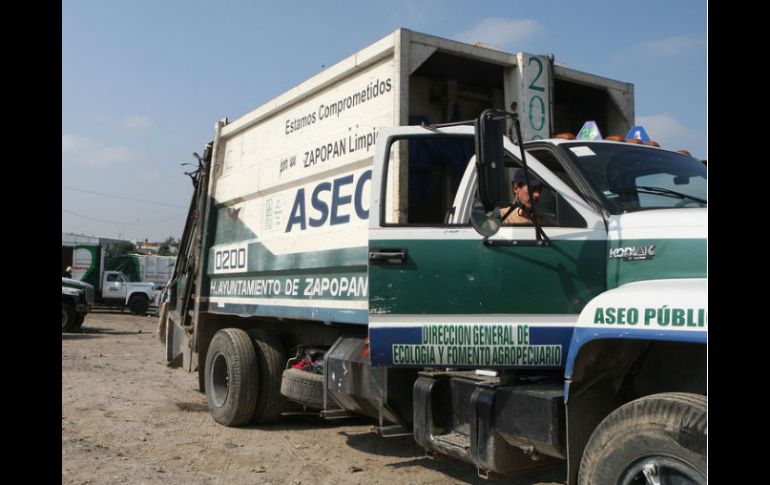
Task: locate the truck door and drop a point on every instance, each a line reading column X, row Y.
column 114, row 286
column 440, row 296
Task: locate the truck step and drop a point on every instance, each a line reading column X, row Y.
column 332, row 414
column 499, row 427
column 454, row 440
column 393, row 431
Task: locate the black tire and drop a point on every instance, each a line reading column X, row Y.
column 79, row 321
column 231, row 377
column 202, row 378
column 661, row 434
column 68, row 317
column 138, row 304
column 271, row 360
column 303, row 387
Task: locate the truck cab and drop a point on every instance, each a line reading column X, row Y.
column 117, row 289
column 528, row 328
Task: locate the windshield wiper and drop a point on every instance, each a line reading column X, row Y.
column 658, row 191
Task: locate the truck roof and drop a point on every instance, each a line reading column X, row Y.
column 564, row 141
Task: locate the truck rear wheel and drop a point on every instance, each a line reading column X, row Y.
column 656, row 439
column 138, row 304
column 231, row 377
column 68, row 317
column 270, row 362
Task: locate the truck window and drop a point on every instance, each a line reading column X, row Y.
column 111, row 278
column 549, row 159
column 553, row 209
column 631, row 178
column 423, row 176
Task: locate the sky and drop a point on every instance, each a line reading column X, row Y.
column 145, row 81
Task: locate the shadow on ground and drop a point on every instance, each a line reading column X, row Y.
column 94, row 332
column 297, row 420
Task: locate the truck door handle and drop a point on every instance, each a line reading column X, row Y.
column 387, row 255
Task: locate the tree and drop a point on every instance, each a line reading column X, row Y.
column 121, row 248
column 166, row 246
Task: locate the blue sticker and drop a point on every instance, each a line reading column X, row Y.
column 639, row 133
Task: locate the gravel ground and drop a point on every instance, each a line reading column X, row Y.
column 129, row 419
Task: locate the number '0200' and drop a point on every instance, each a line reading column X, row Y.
column 230, row 259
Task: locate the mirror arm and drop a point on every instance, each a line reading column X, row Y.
column 542, row 239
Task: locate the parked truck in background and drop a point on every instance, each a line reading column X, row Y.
column 112, row 288
column 344, row 250
column 77, row 299
column 144, row 267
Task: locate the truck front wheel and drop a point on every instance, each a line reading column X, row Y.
column 231, row 378
column 655, row 439
column 138, row 304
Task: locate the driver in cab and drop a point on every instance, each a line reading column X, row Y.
column 522, row 204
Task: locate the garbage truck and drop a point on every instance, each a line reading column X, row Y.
column 111, row 287
column 346, row 250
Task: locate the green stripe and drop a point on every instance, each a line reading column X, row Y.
column 674, row 258
column 464, row 276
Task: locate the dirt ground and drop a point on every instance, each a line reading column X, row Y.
column 127, row 418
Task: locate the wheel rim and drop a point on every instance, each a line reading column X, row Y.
column 220, row 380
column 661, row 470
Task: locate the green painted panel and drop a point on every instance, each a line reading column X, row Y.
column 228, row 229
column 94, row 271
column 464, row 276
column 127, row 263
column 674, row 258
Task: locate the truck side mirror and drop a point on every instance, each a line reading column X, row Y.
column 486, row 223
column 493, row 186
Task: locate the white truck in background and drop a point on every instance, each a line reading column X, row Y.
column 344, row 250
column 151, row 268
column 112, row 288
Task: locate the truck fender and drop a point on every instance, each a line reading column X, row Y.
column 149, row 294
column 672, row 310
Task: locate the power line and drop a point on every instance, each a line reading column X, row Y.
column 121, row 223
column 122, row 197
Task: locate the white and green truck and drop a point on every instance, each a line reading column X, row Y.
column 112, row 288
column 341, row 253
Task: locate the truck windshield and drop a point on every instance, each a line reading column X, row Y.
column 632, row 178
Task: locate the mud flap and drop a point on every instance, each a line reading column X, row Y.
column 178, row 348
